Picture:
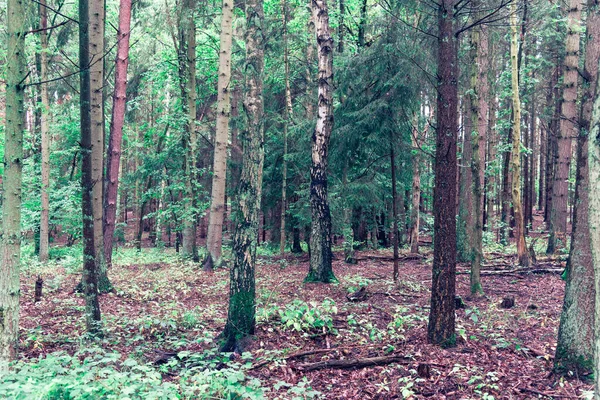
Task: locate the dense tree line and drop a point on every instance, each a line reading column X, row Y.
column 305, row 125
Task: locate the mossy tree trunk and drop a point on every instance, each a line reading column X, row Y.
column 241, row 319
column 479, row 123
column 320, row 269
column 186, row 49
column 574, row 350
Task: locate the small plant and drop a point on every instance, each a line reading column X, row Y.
column 300, row 316
column 356, row 282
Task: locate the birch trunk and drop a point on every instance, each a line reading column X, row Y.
column 320, row 269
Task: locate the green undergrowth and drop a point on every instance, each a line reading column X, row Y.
column 93, row 373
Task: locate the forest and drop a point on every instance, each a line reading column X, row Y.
column 300, row 199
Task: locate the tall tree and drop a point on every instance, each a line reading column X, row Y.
column 90, row 275
column 10, row 240
column 479, row 108
column 568, row 130
column 217, row 206
column 287, row 118
column 594, row 223
column 96, row 66
column 320, row 269
column 441, row 328
column 516, row 141
column 45, row 139
column 241, row 319
column 574, row 349
column 115, row 138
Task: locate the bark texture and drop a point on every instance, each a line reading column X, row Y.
column 214, row 238
column 320, row 269
column 519, row 232
column 568, row 130
column 187, row 82
column 10, row 241
column 241, row 319
column 115, row 138
column 287, row 119
column 594, row 224
column 90, row 275
column 96, row 66
column 44, row 125
column 574, row 350
column 442, row 320
column 479, row 123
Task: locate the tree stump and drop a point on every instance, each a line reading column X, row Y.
column 459, row 302
column 38, row 289
column 508, row 302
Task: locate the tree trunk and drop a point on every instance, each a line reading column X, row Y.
column 574, row 350
column 90, row 273
column 96, row 67
column 465, row 222
column 287, row 116
column 320, row 269
column 441, row 328
column 341, row 26
column 568, row 130
column 214, row 238
column 44, row 125
column 492, row 189
column 594, row 222
column 479, row 123
column 415, row 192
column 115, row 137
column 522, row 251
column 242, row 304
column 394, row 209
column 187, row 82
column 10, row 241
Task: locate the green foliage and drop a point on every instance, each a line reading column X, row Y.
column 301, row 316
column 93, row 373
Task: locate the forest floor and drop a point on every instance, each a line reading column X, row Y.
column 164, row 309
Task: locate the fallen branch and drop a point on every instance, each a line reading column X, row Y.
column 515, row 271
column 294, row 355
column 353, row 363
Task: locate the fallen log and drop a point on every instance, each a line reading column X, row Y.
column 352, row 363
column 516, row 271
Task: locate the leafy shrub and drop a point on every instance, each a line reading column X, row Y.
column 301, row 316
